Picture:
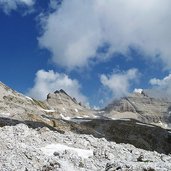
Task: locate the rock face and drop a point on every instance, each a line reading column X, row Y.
column 60, row 134
column 16, row 105
column 141, row 107
column 58, row 105
column 67, row 106
column 144, row 136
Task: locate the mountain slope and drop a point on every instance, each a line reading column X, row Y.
column 25, row 149
column 67, row 106
column 141, row 107
column 58, row 105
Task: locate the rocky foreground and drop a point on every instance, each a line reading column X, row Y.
column 41, row 149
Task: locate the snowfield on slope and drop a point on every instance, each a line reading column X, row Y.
column 52, row 148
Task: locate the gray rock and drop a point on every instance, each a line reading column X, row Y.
column 141, row 107
column 67, row 106
column 16, row 106
column 22, row 149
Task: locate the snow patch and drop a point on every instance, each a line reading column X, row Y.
column 5, row 114
column 163, row 124
column 94, row 116
column 78, row 117
column 102, row 111
column 76, row 110
column 65, row 117
column 29, row 98
column 48, row 111
column 138, row 123
column 124, row 119
column 68, row 166
column 86, row 116
column 139, row 90
column 51, row 148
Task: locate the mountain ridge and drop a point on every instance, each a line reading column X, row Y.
column 50, row 135
column 142, row 107
column 59, row 104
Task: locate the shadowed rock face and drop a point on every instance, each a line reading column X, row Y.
column 144, row 136
column 141, row 107
column 148, row 137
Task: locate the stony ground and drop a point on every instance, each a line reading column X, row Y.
column 26, row 149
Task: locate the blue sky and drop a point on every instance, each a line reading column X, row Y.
column 94, row 50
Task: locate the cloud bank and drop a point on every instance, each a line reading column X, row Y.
column 119, row 83
column 78, row 28
column 161, row 88
column 9, row 5
column 49, row 81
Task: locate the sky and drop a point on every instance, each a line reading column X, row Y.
column 96, row 50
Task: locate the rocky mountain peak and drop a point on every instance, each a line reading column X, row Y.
column 140, row 106
column 61, row 91
column 61, row 95
column 67, row 105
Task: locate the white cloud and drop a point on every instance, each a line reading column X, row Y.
column 75, row 31
column 165, row 82
column 53, row 4
column 50, row 81
column 161, row 88
column 119, row 83
column 9, row 5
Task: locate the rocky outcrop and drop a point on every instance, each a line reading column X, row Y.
column 63, row 104
column 58, row 105
column 142, row 107
column 16, row 105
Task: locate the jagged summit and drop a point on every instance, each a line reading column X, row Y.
column 61, row 91
column 67, row 105
column 139, row 92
